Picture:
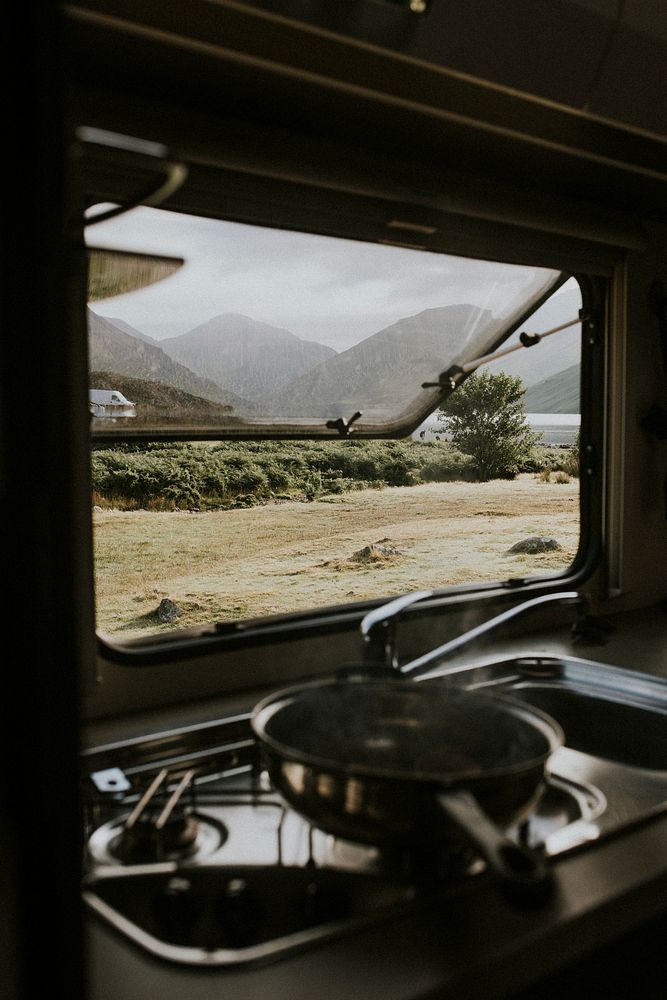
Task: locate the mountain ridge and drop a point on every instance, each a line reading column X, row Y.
column 234, row 359
column 558, row 394
column 245, row 355
column 114, row 349
column 364, row 377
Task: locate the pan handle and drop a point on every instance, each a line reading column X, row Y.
column 523, row 873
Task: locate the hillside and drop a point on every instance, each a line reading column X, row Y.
column 113, row 349
column 554, row 353
column 133, row 332
column 159, row 403
column 384, row 371
column 237, row 361
column 245, row 356
column 558, row 394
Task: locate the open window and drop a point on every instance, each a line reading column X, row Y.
column 274, row 333
column 246, row 481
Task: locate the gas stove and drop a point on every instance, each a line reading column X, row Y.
column 193, row 856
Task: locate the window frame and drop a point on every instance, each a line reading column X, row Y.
column 258, row 635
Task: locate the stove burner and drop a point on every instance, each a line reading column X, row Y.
column 190, row 838
column 157, row 830
column 144, row 843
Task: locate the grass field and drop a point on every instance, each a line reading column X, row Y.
column 290, row 555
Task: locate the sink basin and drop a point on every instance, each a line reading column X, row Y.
column 220, row 915
column 630, row 734
column 615, row 725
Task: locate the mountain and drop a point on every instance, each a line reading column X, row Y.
column 245, row 356
column 162, row 404
column 558, row 394
column 552, row 354
column 133, row 332
column 113, row 349
column 385, row 371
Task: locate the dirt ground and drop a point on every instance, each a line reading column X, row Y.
column 289, row 556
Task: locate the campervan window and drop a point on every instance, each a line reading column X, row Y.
column 250, row 480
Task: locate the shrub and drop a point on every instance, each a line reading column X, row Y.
column 448, row 464
column 167, row 476
column 486, row 419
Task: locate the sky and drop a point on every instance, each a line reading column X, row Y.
column 320, row 288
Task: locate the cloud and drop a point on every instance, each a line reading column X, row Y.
column 321, row 288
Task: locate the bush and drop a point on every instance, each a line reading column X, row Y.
column 171, row 476
column 486, row 419
column 449, row 465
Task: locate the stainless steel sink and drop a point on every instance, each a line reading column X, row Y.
column 615, row 725
column 603, row 726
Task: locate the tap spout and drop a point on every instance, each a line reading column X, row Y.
column 422, row 664
column 378, row 629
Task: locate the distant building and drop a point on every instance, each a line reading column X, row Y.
column 110, row 403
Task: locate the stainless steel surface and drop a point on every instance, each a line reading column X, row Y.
column 378, row 629
column 615, row 731
column 265, row 884
column 420, row 667
column 255, row 855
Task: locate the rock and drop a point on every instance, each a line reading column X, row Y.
column 536, row 543
column 374, row 553
column 168, row 611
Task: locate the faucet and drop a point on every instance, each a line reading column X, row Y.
column 378, row 629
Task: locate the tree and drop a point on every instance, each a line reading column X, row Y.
column 486, row 419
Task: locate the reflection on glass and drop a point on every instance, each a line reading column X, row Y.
column 262, row 324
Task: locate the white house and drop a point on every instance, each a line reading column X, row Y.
column 105, row 403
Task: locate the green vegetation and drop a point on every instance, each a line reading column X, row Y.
column 242, row 474
column 196, row 476
column 487, row 420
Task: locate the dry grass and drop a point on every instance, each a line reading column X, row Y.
column 291, row 556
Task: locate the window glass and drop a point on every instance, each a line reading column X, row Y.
column 263, row 325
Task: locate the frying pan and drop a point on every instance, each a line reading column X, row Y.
column 388, row 762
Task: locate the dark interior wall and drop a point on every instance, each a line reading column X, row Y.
column 42, row 486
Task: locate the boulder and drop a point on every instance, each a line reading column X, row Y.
column 168, row 611
column 375, row 553
column 536, row 543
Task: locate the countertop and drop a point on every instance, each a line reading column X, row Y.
column 607, row 916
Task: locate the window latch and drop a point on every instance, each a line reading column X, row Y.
column 342, row 425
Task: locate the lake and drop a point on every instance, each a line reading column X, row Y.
column 555, row 429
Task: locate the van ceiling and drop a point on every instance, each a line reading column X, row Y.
column 557, row 98
column 601, row 57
